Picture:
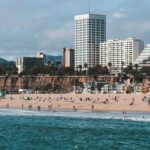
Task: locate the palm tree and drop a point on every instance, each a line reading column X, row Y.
column 110, row 65
column 76, row 71
column 136, row 66
column 80, row 68
column 130, row 69
column 48, row 63
column 105, row 70
column 122, row 64
column 85, row 66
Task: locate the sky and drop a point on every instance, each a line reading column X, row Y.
column 28, row 26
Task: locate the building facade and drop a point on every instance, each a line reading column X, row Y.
column 41, row 55
column 68, row 57
column 144, row 58
column 90, row 30
column 119, row 53
column 25, row 63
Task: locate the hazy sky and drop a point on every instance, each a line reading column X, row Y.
column 27, row 26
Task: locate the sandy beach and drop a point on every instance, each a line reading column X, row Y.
column 76, row 102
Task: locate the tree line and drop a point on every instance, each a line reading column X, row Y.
column 130, row 70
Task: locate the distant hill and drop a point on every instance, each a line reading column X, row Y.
column 5, row 62
column 54, row 58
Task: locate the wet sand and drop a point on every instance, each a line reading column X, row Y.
column 75, row 102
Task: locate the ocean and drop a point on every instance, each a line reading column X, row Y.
column 33, row 130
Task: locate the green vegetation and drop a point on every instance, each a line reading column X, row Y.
column 53, row 71
column 98, row 70
column 145, row 70
column 8, row 69
column 136, row 72
column 48, row 70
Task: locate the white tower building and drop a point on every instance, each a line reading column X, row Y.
column 90, row 30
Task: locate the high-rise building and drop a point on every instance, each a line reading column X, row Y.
column 118, row 52
column 68, row 57
column 90, row 30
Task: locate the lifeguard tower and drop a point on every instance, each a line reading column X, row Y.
column 2, row 94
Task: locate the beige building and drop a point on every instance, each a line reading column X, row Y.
column 68, row 57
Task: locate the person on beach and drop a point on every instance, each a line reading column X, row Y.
column 92, row 107
column 49, row 107
column 132, row 103
column 74, row 108
column 30, row 107
column 22, row 106
column 38, row 108
column 7, row 106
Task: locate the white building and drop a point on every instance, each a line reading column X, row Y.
column 90, row 30
column 144, row 57
column 118, row 51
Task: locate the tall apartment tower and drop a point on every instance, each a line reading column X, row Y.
column 68, row 57
column 90, row 31
column 117, row 52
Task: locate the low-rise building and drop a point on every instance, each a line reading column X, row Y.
column 2, row 93
column 41, row 55
column 143, row 59
column 25, row 63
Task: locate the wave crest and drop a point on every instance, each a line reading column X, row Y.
column 141, row 117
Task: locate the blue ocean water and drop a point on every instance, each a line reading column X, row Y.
column 31, row 130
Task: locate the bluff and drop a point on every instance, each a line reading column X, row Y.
column 56, row 83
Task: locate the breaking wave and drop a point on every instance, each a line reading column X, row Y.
column 133, row 116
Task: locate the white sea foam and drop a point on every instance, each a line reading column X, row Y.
column 141, row 117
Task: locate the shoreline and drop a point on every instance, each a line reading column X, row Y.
column 77, row 102
column 70, row 110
